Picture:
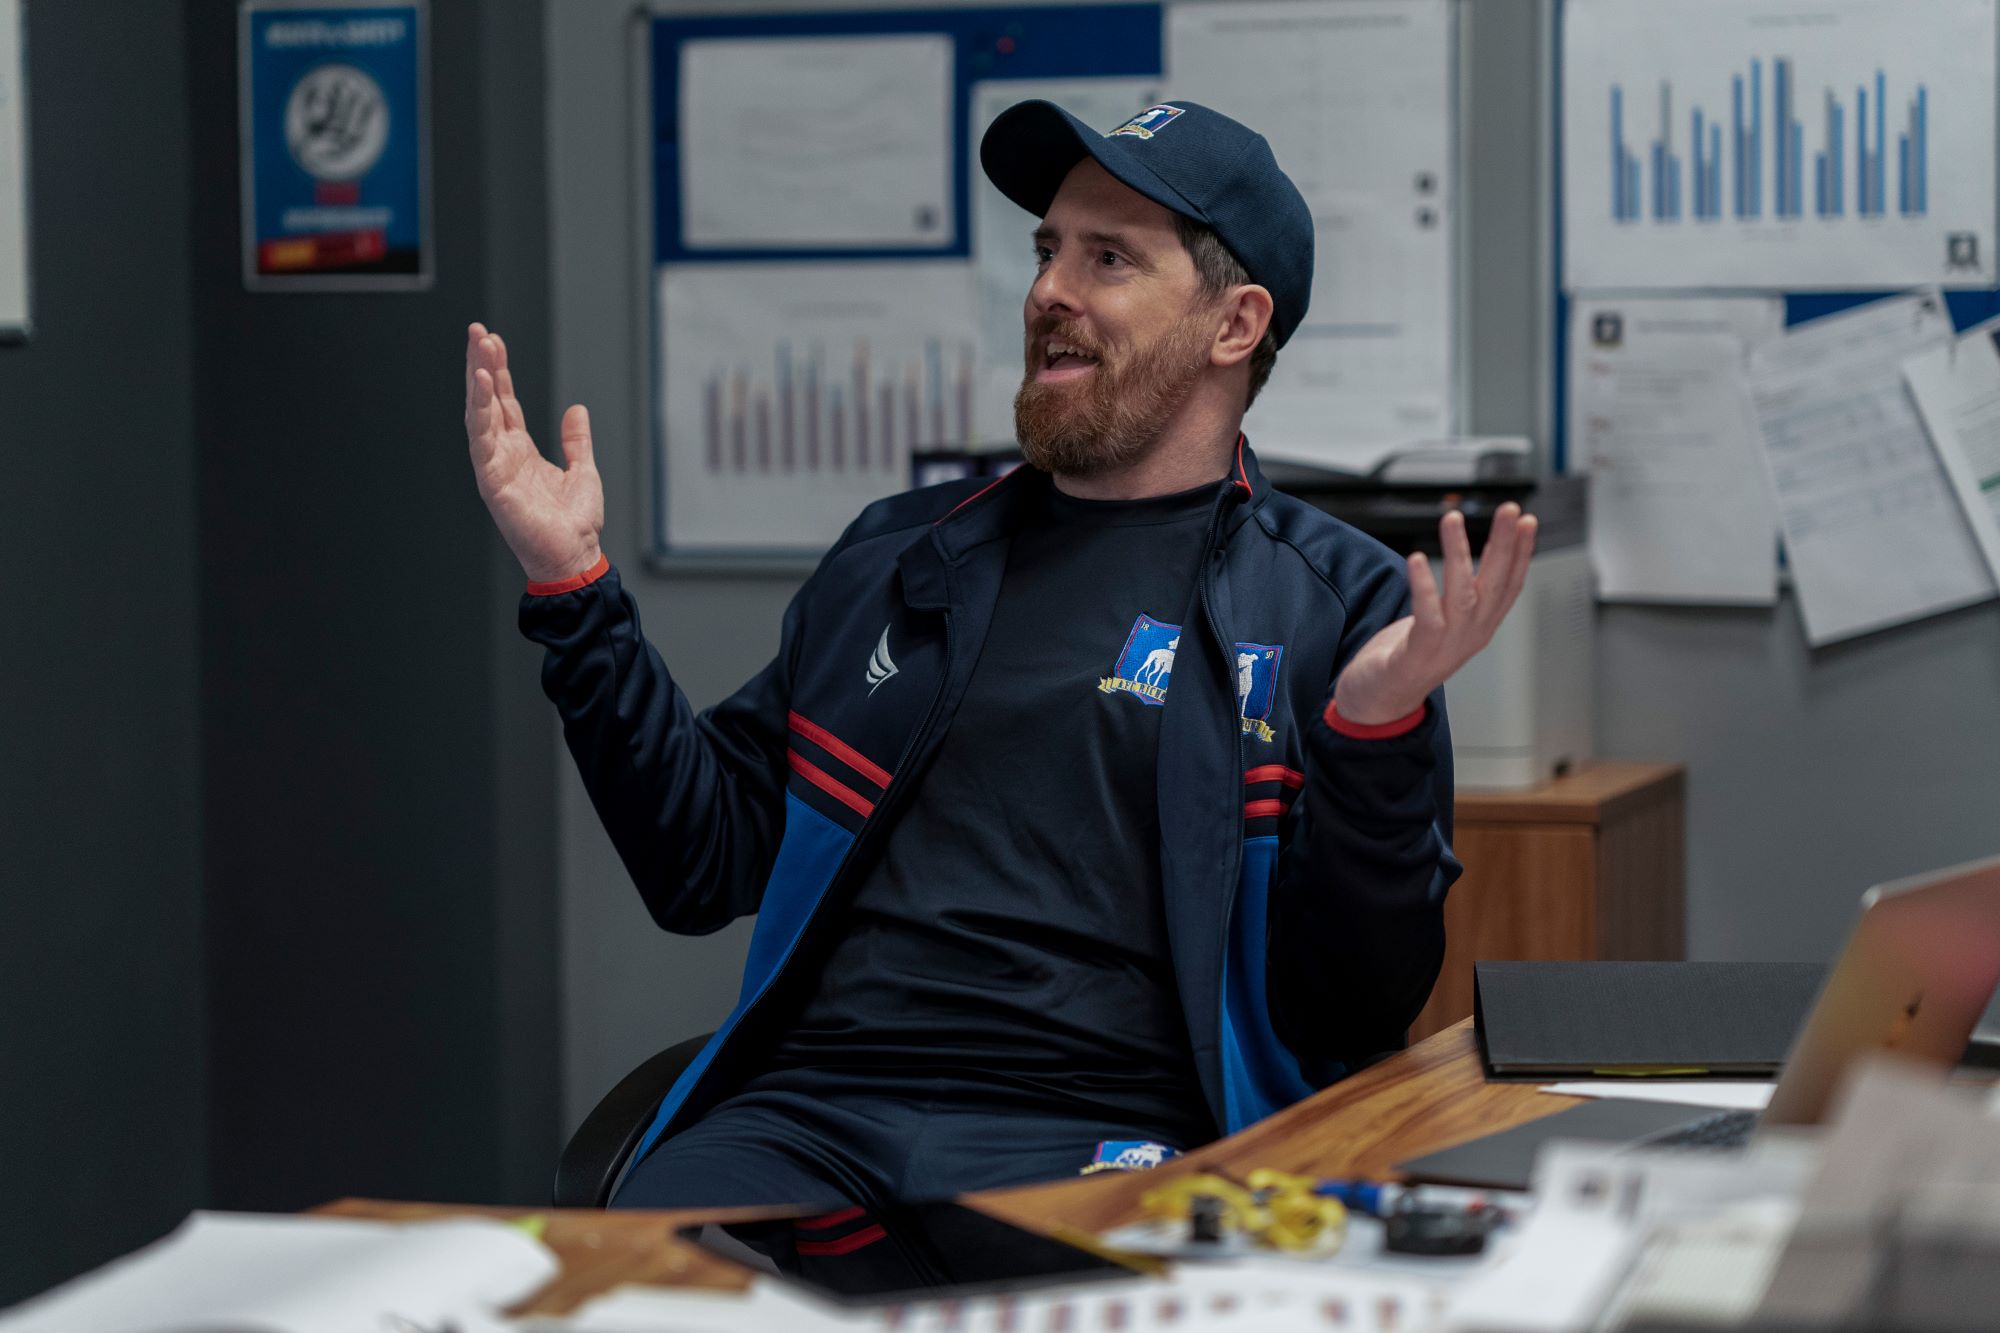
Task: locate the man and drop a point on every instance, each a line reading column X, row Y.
column 1087, row 814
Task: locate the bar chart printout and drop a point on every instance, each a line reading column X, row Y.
column 794, row 394
column 1745, row 143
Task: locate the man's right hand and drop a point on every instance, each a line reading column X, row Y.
column 550, row 516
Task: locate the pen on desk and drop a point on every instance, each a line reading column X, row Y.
column 1381, row 1198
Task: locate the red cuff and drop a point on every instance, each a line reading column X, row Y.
column 574, row 581
column 1380, row 731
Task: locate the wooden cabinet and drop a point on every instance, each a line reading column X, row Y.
column 1588, row 866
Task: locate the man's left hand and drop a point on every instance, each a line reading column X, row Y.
column 1396, row 670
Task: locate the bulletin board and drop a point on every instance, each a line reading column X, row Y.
column 1758, row 157
column 826, row 295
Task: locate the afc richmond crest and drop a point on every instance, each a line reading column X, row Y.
column 1145, row 667
column 1146, row 662
column 1148, row 122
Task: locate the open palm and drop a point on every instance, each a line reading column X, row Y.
column 1394, row 671
column 550, row 516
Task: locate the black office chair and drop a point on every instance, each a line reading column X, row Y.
column 597, row 1152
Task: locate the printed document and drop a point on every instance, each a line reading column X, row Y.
column 793, row 394
column 1661, row 418
column 1873, row 531
column 1356, row 98
column 1957, row 389
column 817, row 143
column 1778, row 145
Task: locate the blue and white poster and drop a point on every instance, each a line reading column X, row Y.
column 334, row 146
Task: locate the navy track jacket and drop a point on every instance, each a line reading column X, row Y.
column 1304, row 861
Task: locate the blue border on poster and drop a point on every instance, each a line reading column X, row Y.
column 1003, row 42
column 1968, row 306
column 1052, row 42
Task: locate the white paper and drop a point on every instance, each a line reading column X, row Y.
column 1003, row 249
column 1356, row 98
column 302, row 1275
column 13, row 172
column 1596, row 1205
column 1661, row 419
column 792, row 394
column 1957, row 389
column 1257, row 1295
column 817, row 142
column 1810, row 64
column 1720, row 1094
column 1873, row 532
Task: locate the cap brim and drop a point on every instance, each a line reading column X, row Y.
column 1032, row 146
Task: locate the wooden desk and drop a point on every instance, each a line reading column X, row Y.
column 1589, row 866
column 1430, row 1096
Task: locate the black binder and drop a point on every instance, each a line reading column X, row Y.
column 1582, row 1020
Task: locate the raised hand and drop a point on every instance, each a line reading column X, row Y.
column 550, row 516
column 1399, row 667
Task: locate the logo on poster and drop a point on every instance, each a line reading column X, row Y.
column 337, row 123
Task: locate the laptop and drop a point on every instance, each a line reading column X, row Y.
column 1915, row 978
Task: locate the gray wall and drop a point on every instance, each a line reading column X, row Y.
column 1812, row 774
column 279, row 910
column 101, row 1046
column 380, row 886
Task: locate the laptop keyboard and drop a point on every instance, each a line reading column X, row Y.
column 1724, row 1129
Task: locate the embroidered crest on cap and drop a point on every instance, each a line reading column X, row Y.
column 1148, row 122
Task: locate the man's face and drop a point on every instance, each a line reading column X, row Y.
column 1117, row 331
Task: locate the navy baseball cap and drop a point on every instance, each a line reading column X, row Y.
column 1186, row 158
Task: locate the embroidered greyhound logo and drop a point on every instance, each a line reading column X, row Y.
column 1146, row 664
column 880, row 665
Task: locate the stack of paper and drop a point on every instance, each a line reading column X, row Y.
column 301, row 1275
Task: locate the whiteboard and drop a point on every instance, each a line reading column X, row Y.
column 13, row 173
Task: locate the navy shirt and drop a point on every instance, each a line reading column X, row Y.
column 1012, row 937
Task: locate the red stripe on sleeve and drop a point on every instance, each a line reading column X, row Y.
column 832, row 786
column 841, row 750
column 1258, row 809
column 1380, row 731
column 1291, row 777
column 573, row 582
column 847, row 1244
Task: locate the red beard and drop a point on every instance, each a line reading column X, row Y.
column 1112, row 417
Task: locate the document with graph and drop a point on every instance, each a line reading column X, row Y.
column 792, row 394
column 1778, row 144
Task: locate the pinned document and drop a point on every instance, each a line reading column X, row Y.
column 1874, row 533
column 1957, row 389
column 1661, row 417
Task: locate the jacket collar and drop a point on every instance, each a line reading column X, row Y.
column 997, row 510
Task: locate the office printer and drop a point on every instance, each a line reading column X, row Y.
column 1522, row 711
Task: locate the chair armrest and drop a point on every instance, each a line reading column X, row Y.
column 597, row 1151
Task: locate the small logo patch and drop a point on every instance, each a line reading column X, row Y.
column 1146, row 663
column 1128, row 1155
column 1257, row 686
column 880, row 665
column 1148, row 122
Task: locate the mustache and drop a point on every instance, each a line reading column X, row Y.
column 1062, row 330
